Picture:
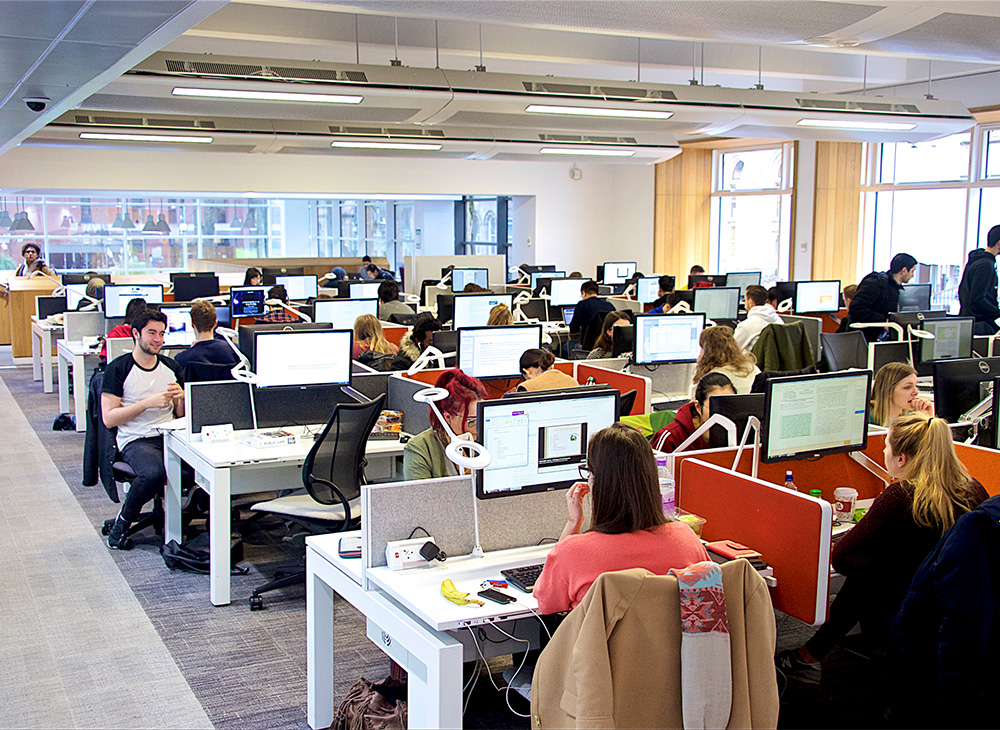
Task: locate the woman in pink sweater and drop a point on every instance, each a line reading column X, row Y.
column 627, row 528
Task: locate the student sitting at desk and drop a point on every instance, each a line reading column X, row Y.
column 369, row 342
column 603, row 346
column 277, row 314
column 420, row 338
column 894, row 393
column 388, row 301
column 536, row 367
column 252, row 277
column 759, row 315
column 627, row 527
column 665, row 287
column 880, row 555
column 423, row 455
column 589, row 306
column 207, row 348
column 721, row 354
column 123, row 330
column 500, row 316
column 690, row 417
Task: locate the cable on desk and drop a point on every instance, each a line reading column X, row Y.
column 536, row 615
column 547, row 539
column 418, row 527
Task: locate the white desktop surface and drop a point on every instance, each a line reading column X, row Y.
column 419, row 589
column 42, row 336
column 74, row 352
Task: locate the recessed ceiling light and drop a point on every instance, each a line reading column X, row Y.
column 589, row 111
column 386, row 145
column 592, row 151
column 857, row 124
column 146, row 138
column 267, row 95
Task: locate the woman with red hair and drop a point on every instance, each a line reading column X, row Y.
column 423, row 455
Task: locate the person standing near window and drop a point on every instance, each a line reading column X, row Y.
column 878, row 294
column 977, row 293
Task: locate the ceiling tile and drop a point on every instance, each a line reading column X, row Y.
column 973, row 37
column 39, row 20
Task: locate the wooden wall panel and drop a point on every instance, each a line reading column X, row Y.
column 682, row 213
column 837, row 209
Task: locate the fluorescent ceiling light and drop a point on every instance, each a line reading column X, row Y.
column 856, row 124
column 594, row 152
column 145, row 137
column 589, row 111
column 386, row 145
column 267, row 95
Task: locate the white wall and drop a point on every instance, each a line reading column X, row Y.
column 605, row 215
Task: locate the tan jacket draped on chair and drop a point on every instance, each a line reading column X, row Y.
column 615, row 661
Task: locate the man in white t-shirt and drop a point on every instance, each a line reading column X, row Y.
column 141, row 390
column 759, row 315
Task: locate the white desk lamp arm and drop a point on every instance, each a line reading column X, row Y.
column 680, row 308
column 522, row 275
column 785, row 306
column 216, row 299
column 444, row 280
column 753, row 424
column 429, row 354
column 871, row 465
column 240, row 371
column 279, row 303
column 716, row 419
column 629, row 290
column 887, row 325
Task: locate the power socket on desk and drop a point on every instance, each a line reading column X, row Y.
column 217, row 434
column 403, row 554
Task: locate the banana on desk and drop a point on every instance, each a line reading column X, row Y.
column 449, row 591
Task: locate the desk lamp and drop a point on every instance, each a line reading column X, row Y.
column 430, row 353
column 522, row 275
column 519, row 316
column 444, row 280
column 462, row 452
column 61, row 290
column 630, row 290
column 753, row 423
column 241, row 371
column 886, row 325
column 680, row 308
column 279, row 303
column 785, row 306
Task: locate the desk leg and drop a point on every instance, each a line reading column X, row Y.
column 319, row 647
column 47, row 361
column 37, row 344
column 220, row 528
column 80, row 392
column 62, row 368
column 434, row 690
column 172, row 505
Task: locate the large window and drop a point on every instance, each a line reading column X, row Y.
column 751, row 219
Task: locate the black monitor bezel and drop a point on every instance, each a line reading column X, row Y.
column 619, row 332
column 635, row 352
column 200, row 279
column 920, row 354
column 795, row 297
column 922, row 286
column 713, row 279
column 495, row 330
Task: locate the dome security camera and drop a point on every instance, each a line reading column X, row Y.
column 36, row 104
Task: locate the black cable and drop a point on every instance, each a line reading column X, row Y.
column 418, row 527
column 547, row 539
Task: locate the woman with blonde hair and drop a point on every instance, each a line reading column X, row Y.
column 720, row 353
column 368, row 337
column 879, row 556
column 895, row 393
column 500, row 316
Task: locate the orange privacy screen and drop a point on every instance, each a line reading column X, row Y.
column 623, row 382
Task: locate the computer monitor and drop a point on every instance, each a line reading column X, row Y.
column 460, row 278
column 565, row 292
column 717, row 302
column 961, row 384
column 534, row 268
column 915, row 298
column 743, row 279
column 786, row 291
column 364, row 290
column 495, row 352
column 222, row 315
column 915, row 318
column 180, row 331
column 303, row 358
column 117, row 297
column 246, row 334
column 342, row 313
column 881, row 354
column 74, row 295
column 738, row 409
column 816, row 296
column 270, row 273
column 189, row 288
column 299, row 288
column 622, row 339
column 84, row 278
column 806, row 416
column 47, row 306
column 667, row 338
column 567, row 313
column 647, row 289
column 711, row 279
column 618, row 272
column 247, row 301
column 445, row 340
column 538, row 443
column 952, row 341
column 473, row 310
column 537, row 275
column 175, row 275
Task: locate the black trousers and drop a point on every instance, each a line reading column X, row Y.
column 145, row 456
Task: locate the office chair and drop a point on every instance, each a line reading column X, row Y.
column 332, row 474
column 625, row 403
column 403, row 318
column 123, row 476
column 844, row 350
column 761, row 379
column 578, row 353
column 784, row 347
column 590, row 334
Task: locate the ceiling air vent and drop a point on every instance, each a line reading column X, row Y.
column 586, row 138
column 81, row 119
column 417, row 132
column 614, row 91
column 357, row 77
column 313, row 74
column 226, row 69
column 553, row 88
column 863, row 106
column 176, row 66
column 356, row 130
column 123, row 121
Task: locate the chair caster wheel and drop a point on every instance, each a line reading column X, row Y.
column 279, row 574
column 256, row 603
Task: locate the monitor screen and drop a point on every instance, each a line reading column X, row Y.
column 743, row 279
column 222, row 315
column 952, row 339
column 74, row 295
column 568, row 313
column 648, row 289
column 817, row 296
column 538, row 443
column 717, row 302
column 460, row 278
column 302, row 357
column 365, row 290
column 537, row 275
column 189, row 288
column 117, row 297
column 618, row 272
column 915, row 298
column 270, row 273
column 473, row 310
column 342, row 313
column 495, row 352
column 247, row 301
column 298, row 287
column 180, row 331
column 813, row 415
column 663, row 338
column 565, row 292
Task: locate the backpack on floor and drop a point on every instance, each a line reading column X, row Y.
column 371, row 706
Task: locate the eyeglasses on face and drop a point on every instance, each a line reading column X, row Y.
column 585, row 472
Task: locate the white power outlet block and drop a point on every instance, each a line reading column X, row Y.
column 402, row 554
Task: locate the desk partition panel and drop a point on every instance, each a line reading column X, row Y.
column 228, row 401
column 623, row 382
column 77, row 325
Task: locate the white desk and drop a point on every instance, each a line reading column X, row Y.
column 41, row 351
column 225, row 469
column 75, row 353
column 406, row 614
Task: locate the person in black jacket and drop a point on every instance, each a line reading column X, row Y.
column 977, row 293
column 878, row 294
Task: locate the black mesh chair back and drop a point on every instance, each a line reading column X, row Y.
column 625, row 403
column 845, row 350
column 203, row 372
column 334, row 470
column 403, row 318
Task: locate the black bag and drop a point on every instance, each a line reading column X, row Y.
column 193, row 557
column 64, row 422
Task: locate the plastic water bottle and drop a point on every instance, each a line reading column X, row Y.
column 789, row 484
column 666, row 486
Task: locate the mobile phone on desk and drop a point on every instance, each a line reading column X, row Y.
column 496, row 596
column 350, row 547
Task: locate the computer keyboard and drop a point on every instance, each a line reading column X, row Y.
column 524, row 577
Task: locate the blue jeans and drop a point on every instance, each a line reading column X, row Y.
column 145, row 456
